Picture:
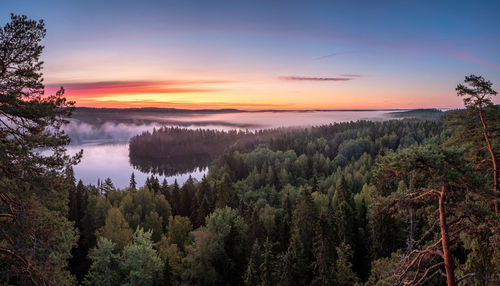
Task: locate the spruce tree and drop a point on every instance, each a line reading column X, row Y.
column 133, row 183
column 304, row 219
column 251, row 277
column 268, row 265
column 176, row 198
column 344, row 275
column 344, row 212
column 323, row 252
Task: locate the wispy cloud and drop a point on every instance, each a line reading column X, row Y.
column 105, row 102
column 352, row 75
column 336, row 54
column 136, row 87
column 466, row 57
column 303, row 78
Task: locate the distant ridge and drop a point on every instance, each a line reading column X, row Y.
column 428, row 113
column 224, row 110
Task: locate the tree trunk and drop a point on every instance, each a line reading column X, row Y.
column 448, row 260
column 493, row 160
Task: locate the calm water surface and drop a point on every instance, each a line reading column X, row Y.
column 105, row 147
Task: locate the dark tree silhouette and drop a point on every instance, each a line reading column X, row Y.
column 36, row 237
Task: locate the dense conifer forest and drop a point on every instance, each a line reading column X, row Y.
column 399, row 202
column 173, row 150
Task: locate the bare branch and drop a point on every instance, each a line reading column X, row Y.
column 480, row 276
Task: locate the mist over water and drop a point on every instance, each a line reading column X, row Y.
column 105, row 142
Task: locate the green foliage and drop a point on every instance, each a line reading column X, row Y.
column 343, row 209
column 171, row 257
column 147, row 209
column 200, row 259
column 95, row 217
column 104, row 270
column 268, row 265
column 218, row 249
column 332, row 205
column 178, row 230
column 251, row 277
column 304, row 219
column 476, row 91
column 344, row 275
column 323, row 250
column 320, row 221
column 479, row 261
column 139, row 262
column 36, row 236
column 116, row 229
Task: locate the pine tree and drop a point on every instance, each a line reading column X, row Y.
column 448, row 192
column 477, row 93
column 36, row 237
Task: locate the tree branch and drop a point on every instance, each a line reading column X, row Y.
column 480, row 276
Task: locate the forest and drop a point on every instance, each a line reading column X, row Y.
column 397, row 202
column 174, row 150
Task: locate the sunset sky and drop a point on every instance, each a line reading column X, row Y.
column 265, row 54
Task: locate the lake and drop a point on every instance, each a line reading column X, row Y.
column 104, row 139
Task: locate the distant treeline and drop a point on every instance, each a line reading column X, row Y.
column 173, row 150
column 161, row 116
column 430, row 113
column 207, row 111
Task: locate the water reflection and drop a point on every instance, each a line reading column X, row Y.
column 104, row 140
column 101, row 161
column 173, row 166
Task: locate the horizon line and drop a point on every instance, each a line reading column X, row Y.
column 260, row 110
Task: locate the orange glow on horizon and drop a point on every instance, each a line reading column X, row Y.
column 220, row 94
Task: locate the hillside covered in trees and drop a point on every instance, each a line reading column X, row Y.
column 400, row 202
column 333, row 204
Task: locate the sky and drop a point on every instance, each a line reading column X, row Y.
column 265, row 54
